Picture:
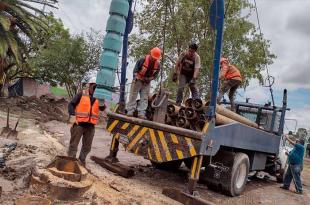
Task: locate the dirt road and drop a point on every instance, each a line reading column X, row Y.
column 144, row 188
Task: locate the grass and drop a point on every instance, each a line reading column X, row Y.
column 58, row 91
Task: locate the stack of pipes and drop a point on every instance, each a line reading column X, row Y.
column 191, row 115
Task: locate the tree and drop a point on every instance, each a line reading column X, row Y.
column 65, row 60
column 188, row 21
column 17, row 23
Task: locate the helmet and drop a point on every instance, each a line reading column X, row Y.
column 156, row 53
column 224, row 60
column 193, row 46
column 92, row 80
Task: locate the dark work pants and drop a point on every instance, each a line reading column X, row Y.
column 231, row 86
column 183, row 80
column 293, row 173
column 77, row 131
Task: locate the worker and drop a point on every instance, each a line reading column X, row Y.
column 231, row 77
column 84, row 114
column 295, row 160
column 186, row 71
column 146, row 70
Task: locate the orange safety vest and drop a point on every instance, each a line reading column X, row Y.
column 85, row 112
column 145, row 67
column 232, row 72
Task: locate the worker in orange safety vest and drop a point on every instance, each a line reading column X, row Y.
column 231, row 77
column 146, row 70
column 84, row 115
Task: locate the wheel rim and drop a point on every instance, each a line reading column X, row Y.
column 241, row 176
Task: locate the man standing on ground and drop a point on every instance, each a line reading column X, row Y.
column 84, row 115
column 187, row 71
column 231, row 77
column 295, row 160
column 145, row 71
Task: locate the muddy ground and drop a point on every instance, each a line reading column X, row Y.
column 38, row 143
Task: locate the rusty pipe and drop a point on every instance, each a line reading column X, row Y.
column 182, row 122
column 182, row 112
column 188, row 102
column 198, row 104
column 172, row 110
column 222, row 120
column 234, row 116
column 190, row 113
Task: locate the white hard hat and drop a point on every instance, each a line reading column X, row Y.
column 92, row 79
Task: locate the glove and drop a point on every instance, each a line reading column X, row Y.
column 193, row 81
column 175, row 77
column 72, row 119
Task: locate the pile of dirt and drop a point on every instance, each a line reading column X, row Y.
column 44, row 109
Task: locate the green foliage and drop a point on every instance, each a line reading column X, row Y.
column 18, row 26
column 63, row 59
column 58, row 91
column 188, row 21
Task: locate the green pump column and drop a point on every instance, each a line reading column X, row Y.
column 112, row 45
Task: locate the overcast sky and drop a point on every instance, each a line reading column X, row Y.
column 285, row 22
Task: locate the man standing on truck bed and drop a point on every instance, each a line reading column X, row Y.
column 295, row 160
column 231, row 77
column 187, row 71
column 145, row 71
column 84, row 114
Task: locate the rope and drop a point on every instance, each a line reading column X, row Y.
column 164, row 42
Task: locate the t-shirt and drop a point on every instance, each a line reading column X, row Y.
column 296, row 156
column 197, row 59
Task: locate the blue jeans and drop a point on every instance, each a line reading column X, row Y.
column 293, row 172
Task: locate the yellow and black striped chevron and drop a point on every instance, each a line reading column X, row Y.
column 155, row 145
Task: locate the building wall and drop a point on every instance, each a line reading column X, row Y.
column 32, row 88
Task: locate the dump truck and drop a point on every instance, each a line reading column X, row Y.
column 219, row 154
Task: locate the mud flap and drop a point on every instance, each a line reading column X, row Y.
column 185, row 198
column 115, row 167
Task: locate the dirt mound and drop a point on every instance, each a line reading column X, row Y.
column 44, row 109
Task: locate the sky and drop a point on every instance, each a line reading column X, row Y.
column 284, row 22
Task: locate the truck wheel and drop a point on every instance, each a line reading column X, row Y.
column 239, row 173
column 169, row 166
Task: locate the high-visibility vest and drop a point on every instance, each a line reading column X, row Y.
column 188, row 65
column 145, row 67
column 85, row 111
column 233, row 72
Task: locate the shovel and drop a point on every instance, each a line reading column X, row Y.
column 6, row 130
column 13, row 134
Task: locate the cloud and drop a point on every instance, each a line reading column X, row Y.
column 302, row 115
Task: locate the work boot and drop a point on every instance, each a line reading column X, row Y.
column 284, row 187
column 299, row 192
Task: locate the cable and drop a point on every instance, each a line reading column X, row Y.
column 264, row 49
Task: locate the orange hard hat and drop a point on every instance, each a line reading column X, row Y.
column 156, row 53
column 223, row 60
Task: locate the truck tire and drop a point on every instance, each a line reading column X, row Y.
column 168, row 166
column 238, row 177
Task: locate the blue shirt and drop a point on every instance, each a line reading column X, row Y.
column 296, row 156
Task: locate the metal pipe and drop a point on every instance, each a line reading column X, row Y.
column 190, row 113
column 222, row 120
column 188, row 102
column 234, row 116
column 182, row 122
column 198, row 104
column 155, row 125
column 282, row 119
column 182, row 112
column 217, row 22
column 172, row 110
column 128, row 28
